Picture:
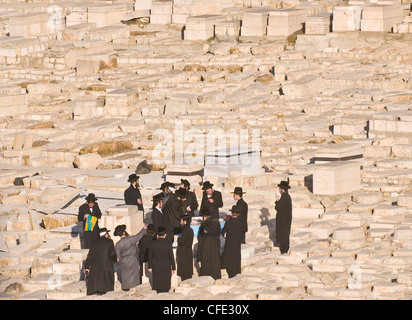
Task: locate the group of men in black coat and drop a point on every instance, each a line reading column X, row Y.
column 171, row 215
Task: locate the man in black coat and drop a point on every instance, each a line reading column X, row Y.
column 233, row 231
column 143, row 246
column 89, row 212
column 243, row 209
column 215, row 225
column 184, row 253
column 132, row 195
column 208, row 252
column 283, row 206
column 191, row 201
column 161, row 262
column 173, row 211
column 157, row 213
column 99, row 265
column 211, row 200
column 167, row 190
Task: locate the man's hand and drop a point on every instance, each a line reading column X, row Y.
column 139, row 201
column 150, row 270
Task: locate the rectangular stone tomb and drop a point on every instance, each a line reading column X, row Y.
column 339, row 152
column 192, row 173
column 283, row 22
column 381, row 18
column 254, row 22
column 334, row 178
column 318, row 23
column 346, row 18
column 123, row 214
column 221, row 162
column 201, row 27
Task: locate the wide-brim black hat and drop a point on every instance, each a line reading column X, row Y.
column 158, row 196
column 185, row 183
column 103, row 231
column 207, row 185
column 284, row 185
column 166, row 184
column 91, row 197
column 119, row 230
column 133, row 177
column 181, row 193
column 238, row 190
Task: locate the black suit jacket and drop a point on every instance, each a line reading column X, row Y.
column 213, row 207
column 131, row 195
column 243, row 207
column 84, row 209
column 191, row 202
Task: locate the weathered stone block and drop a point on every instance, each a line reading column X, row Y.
column 336, row 178
column 88, row 161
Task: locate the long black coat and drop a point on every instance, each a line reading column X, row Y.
column 231, row 258
column 89, row 236
column 213, row 207
column 131, row 195
column 172, row 212
column 100, row 261
column 191, row 201
column 143, row 246
column 243, row 208
column 157, row 218
column 184, row 253
column 162, row 262
column 208, row 253
column 283, row 221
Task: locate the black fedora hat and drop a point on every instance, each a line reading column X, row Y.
column 118, row 231
column 158, row 196
column 133, row 177
column 91, row 197
column 103, row 231
column 239, row 191
column 185, row 183
column 207, row 185
column 284, row 185
column 166, row 184
column 181, row 193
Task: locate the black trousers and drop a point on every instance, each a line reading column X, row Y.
column 89, row 237
column 232, row 271
column 184, row 277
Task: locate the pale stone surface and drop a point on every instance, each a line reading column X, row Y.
column 90, row 90
column 337, row 177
